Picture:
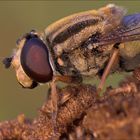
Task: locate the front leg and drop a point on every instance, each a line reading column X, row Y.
column 55, row 97
column 66, row 79
column 54, row 105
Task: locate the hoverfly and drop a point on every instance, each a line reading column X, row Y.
column 90, row 43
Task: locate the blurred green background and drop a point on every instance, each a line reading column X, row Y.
column 19, row 17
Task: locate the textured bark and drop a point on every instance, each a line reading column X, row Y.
column 83, row 115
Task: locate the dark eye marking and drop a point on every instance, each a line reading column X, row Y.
column 35, row 60
column 77, row 27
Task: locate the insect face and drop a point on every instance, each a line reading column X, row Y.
column 31, row 61
column 35, row 60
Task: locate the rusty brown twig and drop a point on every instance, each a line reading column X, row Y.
column 82, row 102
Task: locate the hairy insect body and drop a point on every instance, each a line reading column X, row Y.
column 83, row 61
column 73, row 40
column 90, row 43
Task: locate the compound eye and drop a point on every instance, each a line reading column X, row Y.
column 35, row 60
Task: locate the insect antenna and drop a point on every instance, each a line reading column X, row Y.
column 6, row 61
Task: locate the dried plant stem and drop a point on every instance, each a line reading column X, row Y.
column 76, row 100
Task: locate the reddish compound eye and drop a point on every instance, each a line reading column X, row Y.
column 35, row 60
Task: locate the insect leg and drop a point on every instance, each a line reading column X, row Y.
column 66, row 79
column 108, row 68
column 55, row 98
column 54, row 103
column 70, row 80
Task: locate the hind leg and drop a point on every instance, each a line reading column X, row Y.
column 108, row 68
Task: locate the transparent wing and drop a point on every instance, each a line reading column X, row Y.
column 129, row 30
